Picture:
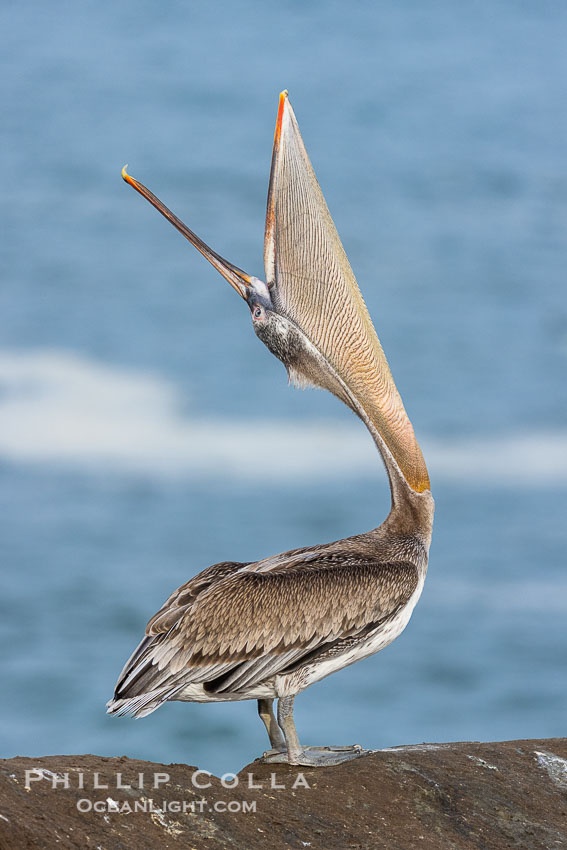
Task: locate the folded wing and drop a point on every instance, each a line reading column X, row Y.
column 247, row 626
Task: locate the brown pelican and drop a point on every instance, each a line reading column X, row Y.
column 271, row 628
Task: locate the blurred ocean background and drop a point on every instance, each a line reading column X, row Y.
column 145, row 433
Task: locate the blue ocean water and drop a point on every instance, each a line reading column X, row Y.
column 145, row 433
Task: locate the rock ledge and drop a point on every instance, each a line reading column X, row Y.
column 428, row 796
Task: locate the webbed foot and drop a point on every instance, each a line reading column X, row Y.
column 315, row 756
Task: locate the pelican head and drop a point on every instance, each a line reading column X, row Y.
column 309, row 312
column 281, row 336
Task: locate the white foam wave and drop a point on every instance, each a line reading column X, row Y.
column 66, row 409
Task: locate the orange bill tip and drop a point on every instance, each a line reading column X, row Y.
column 283, row 98
column 127, row 178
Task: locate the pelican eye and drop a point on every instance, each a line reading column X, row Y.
column 258, row 312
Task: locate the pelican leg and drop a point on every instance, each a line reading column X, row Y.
column 287, row 725
column 268, row 718
column 295, row 753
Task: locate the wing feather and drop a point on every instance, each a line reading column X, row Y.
column 186, row 595
column 230, row 627
column 248, row 615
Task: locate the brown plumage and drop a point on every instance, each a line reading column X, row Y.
column 271, row 628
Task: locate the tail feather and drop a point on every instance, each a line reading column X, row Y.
column 143, row 704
